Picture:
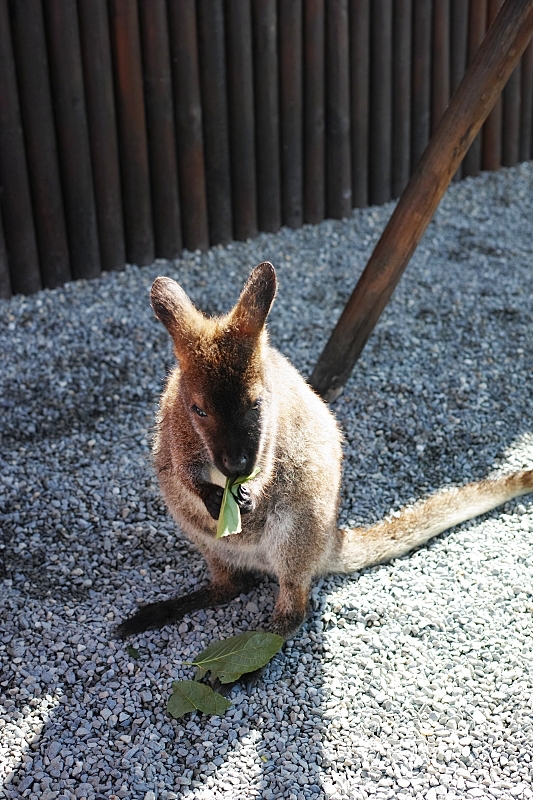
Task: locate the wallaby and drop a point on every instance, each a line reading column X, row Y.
column 235, row 403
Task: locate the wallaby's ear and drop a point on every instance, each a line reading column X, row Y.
column 249, row 315
column 176, row 311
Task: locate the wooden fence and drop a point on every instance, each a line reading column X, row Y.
column 131, row 129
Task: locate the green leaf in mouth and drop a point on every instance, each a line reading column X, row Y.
column 229, row 521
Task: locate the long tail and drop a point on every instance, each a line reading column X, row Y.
column 413, row 526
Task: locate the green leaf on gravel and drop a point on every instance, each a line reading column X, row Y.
column 132, row 651
column 229, row 520
column 190, row 696
column 230, row 658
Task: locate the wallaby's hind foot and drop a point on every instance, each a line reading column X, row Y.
column 291, row 608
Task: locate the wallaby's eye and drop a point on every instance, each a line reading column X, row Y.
column 199, row 411
column 258, row 403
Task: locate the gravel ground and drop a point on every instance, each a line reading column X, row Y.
column 412, row 679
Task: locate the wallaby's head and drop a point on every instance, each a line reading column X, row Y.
column 223, row 382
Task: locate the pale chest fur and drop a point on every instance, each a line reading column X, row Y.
column 259, row 548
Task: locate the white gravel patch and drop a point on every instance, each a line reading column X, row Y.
column 409, row 680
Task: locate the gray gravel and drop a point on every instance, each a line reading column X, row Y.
column 413, row 679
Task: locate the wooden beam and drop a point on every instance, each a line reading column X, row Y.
column 488, row 73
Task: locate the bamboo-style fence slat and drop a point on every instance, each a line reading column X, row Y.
column 359, row 98
column 492, row 132
column 526, row 106
column 421, row 109
column 29, row 44
column 477, row 27
column 210, row 16
column 458, row 50
column 132, row 136
column 314, row 114
column 241, row 117
column 338, row 145
column 401, row 96
column 290, row 102
column 511, row 120
column 440, row 78
column 380, row 109
column 131, row 129
column 265, row 50
column 188, row 111
column 101, row 118
column 160, row 127
column 5, row 283
column 61, row 17
column 15, row 196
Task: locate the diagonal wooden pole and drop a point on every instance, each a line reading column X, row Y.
column 492, row 65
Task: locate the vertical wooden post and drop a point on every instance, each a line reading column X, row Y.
column 100, row 100
column 160, row 128
column 492, row 132
column 241, row 117
column 511, row 120
column 338, row 156
column 421, row 78
column 5, row 283
column 133, row 147
column 477, row 26
column 401, row 96
column 29, row 44
column 359, row 98
column 73, row 136
column 15, row 196
column 526, row 120
column 212, row 60
column 440, row 93
column 314, row 179
column 265, row 37
column 290, row 61
column 380, row 134
column 188, row 110
column 458, row 50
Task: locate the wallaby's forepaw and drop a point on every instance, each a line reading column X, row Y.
column 212, row 497
column 244, row 499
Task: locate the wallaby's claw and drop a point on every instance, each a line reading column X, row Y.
column 244, row 499
column 213, row 500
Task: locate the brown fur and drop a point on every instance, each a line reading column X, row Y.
column 289, row 527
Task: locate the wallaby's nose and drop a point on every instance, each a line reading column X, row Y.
column 235, row 466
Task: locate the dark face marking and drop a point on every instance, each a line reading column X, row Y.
column 225, row 393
